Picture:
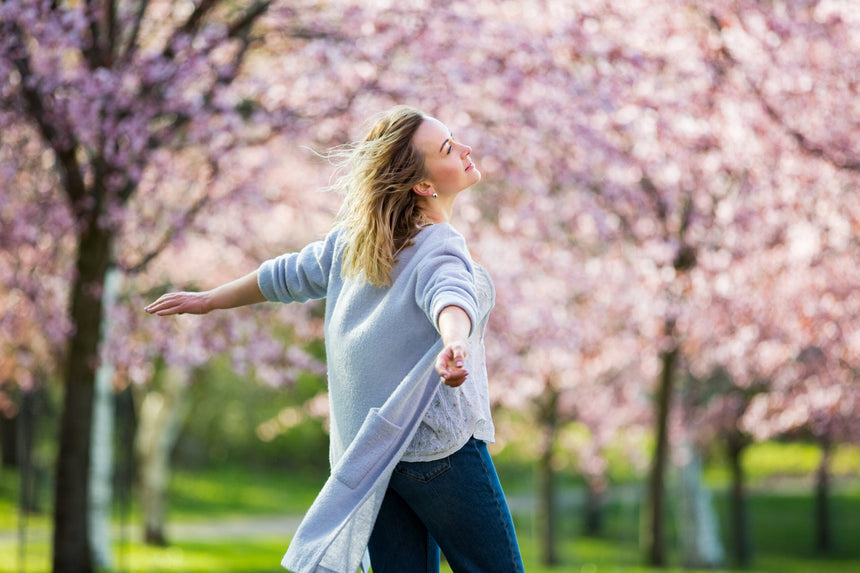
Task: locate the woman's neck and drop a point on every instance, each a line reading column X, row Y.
column 436, row 211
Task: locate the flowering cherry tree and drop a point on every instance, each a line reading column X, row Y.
column 656, row 176
column 144, row 115
column 675, row 130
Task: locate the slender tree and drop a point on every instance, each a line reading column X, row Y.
column 116, row 92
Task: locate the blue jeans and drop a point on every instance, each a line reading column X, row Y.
column 455, row 504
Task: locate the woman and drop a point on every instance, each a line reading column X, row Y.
column 408, row 453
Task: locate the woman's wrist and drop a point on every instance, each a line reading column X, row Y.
column 209, row 301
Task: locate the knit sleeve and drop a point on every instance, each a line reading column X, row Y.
column 445, row 276
column 298, row 277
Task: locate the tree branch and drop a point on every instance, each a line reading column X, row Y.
column 190, row 27
column 803, row 142
column 131, row 44
column 241, row 30
column 165, row 240
column 194, row 20
column 35, row 107
column 110, row 24
column 242, row 26
column 660, row 208
column 624, row 223
column 238, row 29
column 93, row 52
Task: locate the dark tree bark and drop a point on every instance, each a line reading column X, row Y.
column 26, row 437
column 740, row 535
column 71, row 534
column 594, row 491
column 547, row 497
column 8, row 441
column 823, row 537
column 655, row 534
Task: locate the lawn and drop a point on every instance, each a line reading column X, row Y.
column 262, row 556
column 780, row 521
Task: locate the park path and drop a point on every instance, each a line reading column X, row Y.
column 233, row 528
column 227, row 528
column 284, row 525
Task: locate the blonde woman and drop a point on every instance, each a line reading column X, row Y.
column 410, row 469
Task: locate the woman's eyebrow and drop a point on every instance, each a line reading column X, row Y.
column 443, row 144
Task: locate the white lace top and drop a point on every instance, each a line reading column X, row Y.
column 457, row 414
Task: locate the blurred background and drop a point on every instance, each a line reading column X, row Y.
column 668, row 209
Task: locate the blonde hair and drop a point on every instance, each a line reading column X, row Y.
column 380, row 213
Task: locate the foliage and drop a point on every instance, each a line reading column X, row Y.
column 615, row 162
column 780, row 524
column 657, row 176
column 795, row 461
column 234, row 420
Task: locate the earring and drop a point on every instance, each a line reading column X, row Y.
column 435, row 195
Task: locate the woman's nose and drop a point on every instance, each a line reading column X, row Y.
column 466, row 151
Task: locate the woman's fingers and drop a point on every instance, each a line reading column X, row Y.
column 455, row 380
column 161, row 307
column 172, row 303
column 450, row 365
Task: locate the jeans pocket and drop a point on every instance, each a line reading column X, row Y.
column 369, row 450
column 423, row 471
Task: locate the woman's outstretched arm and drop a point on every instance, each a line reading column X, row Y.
column 454, row 326
column 239, row 292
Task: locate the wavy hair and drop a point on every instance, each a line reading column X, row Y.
column 380, row 213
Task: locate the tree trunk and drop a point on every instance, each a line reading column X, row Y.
column 738, row 515
column 547, row 502
column 161, row 414
column 26, row 425
column 698, row 530
column 71, row 533
column 655, row 533
column 124, row 471
column 823, row 539
column 8, row 441
column 101, row 467
column 594, row 490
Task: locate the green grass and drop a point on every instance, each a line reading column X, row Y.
column 245, row 556
column 263, row 556
column 198, row 495
column 195, row 496
column 780, row 523
column 234, row 491
column 766, row 461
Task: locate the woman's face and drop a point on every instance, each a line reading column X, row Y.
column 449, row 168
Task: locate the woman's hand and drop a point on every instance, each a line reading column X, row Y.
column 450, row 364
column 240, row 292
column 181, row 303
column 455, row 327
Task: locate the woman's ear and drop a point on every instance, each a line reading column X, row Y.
column 425, row 189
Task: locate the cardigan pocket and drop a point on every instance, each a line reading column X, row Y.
column 369, row 450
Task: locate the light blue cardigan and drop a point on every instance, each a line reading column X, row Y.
column 381, row 345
